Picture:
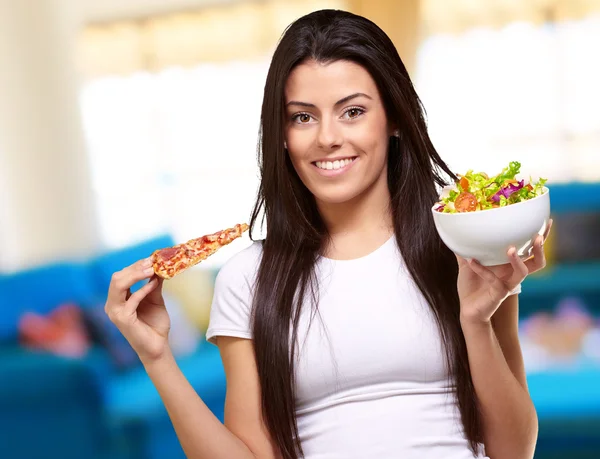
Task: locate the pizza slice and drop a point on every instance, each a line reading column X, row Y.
column 171, row 261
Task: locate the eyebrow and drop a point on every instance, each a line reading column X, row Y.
column 338, row 103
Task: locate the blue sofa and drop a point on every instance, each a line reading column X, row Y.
column 54, row 407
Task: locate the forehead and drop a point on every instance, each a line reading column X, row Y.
column 324, row 84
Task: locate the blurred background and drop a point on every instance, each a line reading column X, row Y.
column 128, row 125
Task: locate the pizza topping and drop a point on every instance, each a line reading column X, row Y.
column 168, row 253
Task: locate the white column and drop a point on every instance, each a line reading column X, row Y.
column 46, row 200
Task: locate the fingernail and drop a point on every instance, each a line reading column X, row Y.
column 148, row 271
column 147, row 262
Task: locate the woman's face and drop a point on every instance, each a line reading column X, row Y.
column 337, row 133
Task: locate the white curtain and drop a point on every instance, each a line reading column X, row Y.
column 175, row 151
column 524, row 92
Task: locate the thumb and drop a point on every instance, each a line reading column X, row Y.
column 144, row 293
column 461, row 261
column 155, row 296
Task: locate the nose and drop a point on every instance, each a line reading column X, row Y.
column 329, row 136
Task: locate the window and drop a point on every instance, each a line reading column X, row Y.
column 174, row 151
column 524, row 92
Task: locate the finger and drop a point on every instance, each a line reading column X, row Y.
column 547, row 231
column 132, row 304
column 460, row 260
column 155, row 294
column 520, row 269
column 122, row 280
column 538, row 261
column 488, row 276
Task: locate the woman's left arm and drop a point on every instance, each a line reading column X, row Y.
column 489, row 320
column 509, row 418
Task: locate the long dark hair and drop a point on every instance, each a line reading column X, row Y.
column 295, row 232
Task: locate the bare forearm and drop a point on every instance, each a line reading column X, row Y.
column 509, row 417
column 200, row 433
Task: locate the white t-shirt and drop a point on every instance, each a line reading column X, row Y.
column 371, row 378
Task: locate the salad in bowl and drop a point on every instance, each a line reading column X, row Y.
column 477, row 191
column 482, row 216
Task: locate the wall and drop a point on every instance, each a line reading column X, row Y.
column 45, row 192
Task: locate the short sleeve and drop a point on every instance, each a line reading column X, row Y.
column 230, row 312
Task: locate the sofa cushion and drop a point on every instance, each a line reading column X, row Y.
column 40, row 290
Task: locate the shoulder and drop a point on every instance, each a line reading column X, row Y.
column 241, row 268
column 231, row 307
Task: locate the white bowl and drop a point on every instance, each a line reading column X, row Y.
column 487, row 235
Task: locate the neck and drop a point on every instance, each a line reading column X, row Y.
column 359, row 226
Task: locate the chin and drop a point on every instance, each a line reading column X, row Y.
column 336, row 197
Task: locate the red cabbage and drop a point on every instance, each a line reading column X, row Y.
column 508, row 191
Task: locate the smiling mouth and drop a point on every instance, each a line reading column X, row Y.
column 334, row 165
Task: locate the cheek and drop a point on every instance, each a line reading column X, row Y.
column 299, row 148
column 299, row 162
column 300, row 139
column 372, row 140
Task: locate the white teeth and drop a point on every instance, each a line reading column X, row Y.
column 332, row 165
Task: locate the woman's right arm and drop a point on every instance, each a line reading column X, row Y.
column 200, row 433
column 143, row 320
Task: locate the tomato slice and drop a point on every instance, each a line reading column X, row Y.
column 465, row 202
column 464, row 183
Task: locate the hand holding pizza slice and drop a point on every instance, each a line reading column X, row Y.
column 171, row 261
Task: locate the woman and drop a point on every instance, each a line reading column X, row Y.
column 351, row 331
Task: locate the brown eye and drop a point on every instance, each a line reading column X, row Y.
column 353, row 113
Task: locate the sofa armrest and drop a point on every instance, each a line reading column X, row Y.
column 51, row 407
